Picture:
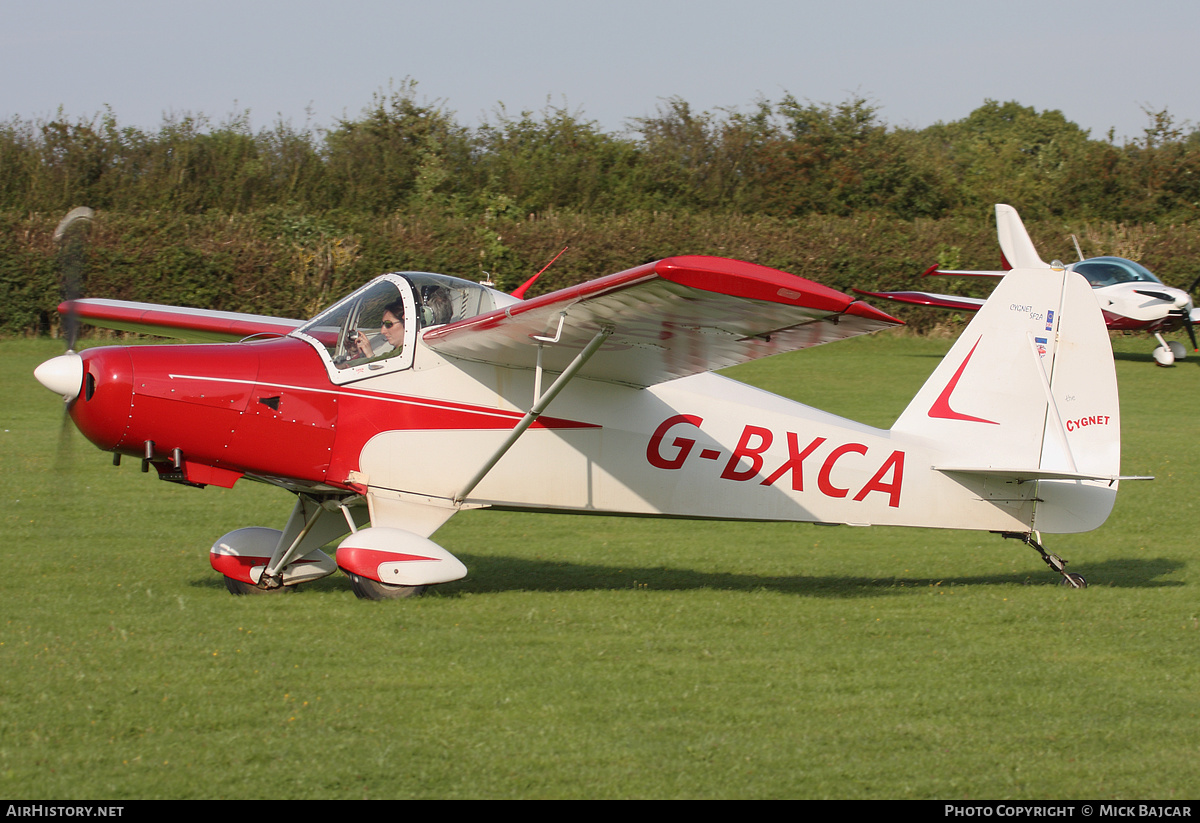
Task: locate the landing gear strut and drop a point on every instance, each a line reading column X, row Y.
column 240, row 587
column 1075, row 581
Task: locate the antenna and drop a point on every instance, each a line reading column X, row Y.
column 1078, row 250
column 519, row 292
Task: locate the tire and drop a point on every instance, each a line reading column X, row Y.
column 1163, row 356
column 240, row 587
column 367, row 589
column 1075, row 581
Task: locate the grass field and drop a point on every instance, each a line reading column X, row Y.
column 605, row 657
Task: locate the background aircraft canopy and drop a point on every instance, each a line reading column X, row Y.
column 1108, row 271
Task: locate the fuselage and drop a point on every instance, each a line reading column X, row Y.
column 1127, row 307
column 701, row 446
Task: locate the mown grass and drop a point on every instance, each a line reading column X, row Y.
column 604, row 657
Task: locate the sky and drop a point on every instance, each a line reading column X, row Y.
column 1102, row 63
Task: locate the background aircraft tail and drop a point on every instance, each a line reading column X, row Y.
column 1028, row 394
column 1015, row 244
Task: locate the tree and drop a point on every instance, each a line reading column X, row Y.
column 373, row 164
column 553, row 160
column 1008, row 153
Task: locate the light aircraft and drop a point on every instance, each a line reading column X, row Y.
column 598, row 398
column 1131, row 297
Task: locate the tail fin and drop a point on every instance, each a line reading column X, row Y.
column 1015, row 244
column 1029, row 394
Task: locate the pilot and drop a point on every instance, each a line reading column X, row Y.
column 392, row 327
column 437, row 308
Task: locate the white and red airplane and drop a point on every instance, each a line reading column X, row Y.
column 421, row 395
column 1131, row 297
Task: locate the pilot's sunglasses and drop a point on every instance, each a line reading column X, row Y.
column 387, row 324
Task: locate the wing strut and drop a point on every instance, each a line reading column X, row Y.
column 539, row 406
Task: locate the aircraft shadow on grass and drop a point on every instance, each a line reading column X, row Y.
column 506, row 574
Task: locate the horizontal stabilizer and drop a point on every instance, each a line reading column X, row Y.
column 1024, row 475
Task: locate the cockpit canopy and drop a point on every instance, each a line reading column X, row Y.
column 354, row 333
column 1108, row 271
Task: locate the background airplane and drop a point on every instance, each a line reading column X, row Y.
column 1006, row 436
column 1131, row 297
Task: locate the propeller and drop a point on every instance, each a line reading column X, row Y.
column 71, row 237
column 64, row 374
column 1187, row 320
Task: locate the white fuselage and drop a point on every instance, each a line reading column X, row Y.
column 1127, row 309
column 702, row 446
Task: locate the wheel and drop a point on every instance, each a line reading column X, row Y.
column 240, row 587
column 1075, row 581
column 367, row 589
column 1163, row 356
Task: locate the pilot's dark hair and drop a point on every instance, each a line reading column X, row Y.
column 396, row 307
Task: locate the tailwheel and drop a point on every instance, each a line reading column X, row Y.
column 1070, row 579
column 367, row 589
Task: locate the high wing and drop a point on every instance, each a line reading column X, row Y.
column 965, row 272
column 668, row 319
column 180, row 322
column 933, row 299
column 1016, row 249
column 924, row 298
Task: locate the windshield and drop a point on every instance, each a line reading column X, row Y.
column 365, row 327
column 1108, row 271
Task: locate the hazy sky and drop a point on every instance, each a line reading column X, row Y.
column 1100, row 62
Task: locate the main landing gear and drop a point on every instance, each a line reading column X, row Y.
column 367, row 589
column 256, row 559
column 1032, row 539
